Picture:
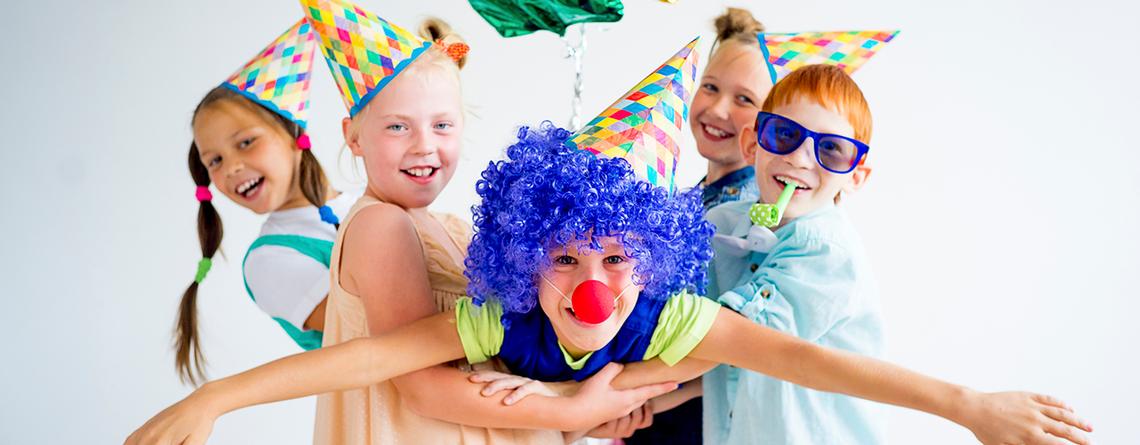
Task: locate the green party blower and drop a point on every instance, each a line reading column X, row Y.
column 768, row 215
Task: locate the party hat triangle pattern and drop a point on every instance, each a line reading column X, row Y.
column 279, row 76
column 849, row 50
column 363, row 51
column 643, row 127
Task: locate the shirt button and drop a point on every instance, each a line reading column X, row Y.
column 754, row 267
column 766, row 294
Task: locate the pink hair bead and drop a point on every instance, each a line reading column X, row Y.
column 203, row 193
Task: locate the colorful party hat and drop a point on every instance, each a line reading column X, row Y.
column 785, row 52
column 364, row 51
column 278, row 78
column 643, row 127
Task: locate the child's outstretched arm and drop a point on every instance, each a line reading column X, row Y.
column 994, row 418
column 365, row 361
column 353, row 364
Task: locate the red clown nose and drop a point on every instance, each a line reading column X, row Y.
column 593, row 301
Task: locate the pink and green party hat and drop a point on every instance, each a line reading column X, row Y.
column 278, row 77
column 363, row 51
column 849, row 50
column 643, row 127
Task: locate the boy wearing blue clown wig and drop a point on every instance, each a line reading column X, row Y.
column 616, row 259
column 588, row 228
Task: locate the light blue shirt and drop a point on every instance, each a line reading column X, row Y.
column 815, row 283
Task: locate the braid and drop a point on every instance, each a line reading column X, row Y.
column 188, row 356
column 314, row 184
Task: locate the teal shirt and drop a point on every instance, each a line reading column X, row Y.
column 815, row 283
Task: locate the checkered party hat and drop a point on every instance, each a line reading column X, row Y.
column 643, row 127
column 785, row 52
column 364, row 51
column 278, row 77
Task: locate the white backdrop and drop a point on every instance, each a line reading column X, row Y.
column 1001, row 217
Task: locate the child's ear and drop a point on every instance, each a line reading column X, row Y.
column 351, row 138
column 747, row 141
column 859, row 177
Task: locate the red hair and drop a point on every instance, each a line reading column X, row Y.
column 829, row 87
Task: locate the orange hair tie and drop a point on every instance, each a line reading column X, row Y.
column 455, row 51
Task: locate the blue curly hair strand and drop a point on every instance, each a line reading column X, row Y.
column 547, row 194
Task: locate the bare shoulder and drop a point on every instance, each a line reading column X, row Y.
column 377, row 235
column 381, row 223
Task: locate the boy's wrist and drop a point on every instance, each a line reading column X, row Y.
column 959, row 405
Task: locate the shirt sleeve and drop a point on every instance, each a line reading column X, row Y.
column 683, row 323
column 804, row 287
column 480, row 329
column 286, row 284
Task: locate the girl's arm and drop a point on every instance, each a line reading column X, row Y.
column 348, row 365
column 365, row 361
column 995, row 418
column 316, row 320
column 689, row 391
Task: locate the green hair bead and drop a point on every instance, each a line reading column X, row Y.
column 203, row 268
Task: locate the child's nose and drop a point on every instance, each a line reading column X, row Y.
column 425, row 144
column 232, row 166
column 590, row 271
column 719, row 108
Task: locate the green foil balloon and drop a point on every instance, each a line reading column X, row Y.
column 514, row 18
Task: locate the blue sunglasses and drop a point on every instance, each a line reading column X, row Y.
column 779, row 135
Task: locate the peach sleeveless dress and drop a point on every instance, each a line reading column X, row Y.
column 375, row 415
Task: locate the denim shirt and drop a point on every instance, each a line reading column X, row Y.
column 739, row 185
column 815, row 283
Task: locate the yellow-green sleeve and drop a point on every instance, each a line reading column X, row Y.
column 480, row 329
column 684, row 321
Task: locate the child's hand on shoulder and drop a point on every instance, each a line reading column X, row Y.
column 1023, row 418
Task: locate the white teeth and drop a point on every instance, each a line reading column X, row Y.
column 715, row 132
column 245, row 186
column 786, row 180
column 419, row 172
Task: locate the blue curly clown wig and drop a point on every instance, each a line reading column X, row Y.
column 546, row 195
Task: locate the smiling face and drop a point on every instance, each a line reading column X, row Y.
column 817, row 187
column 409, row 135
column 731, row 90
column 570, row 267
column 250, row 158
